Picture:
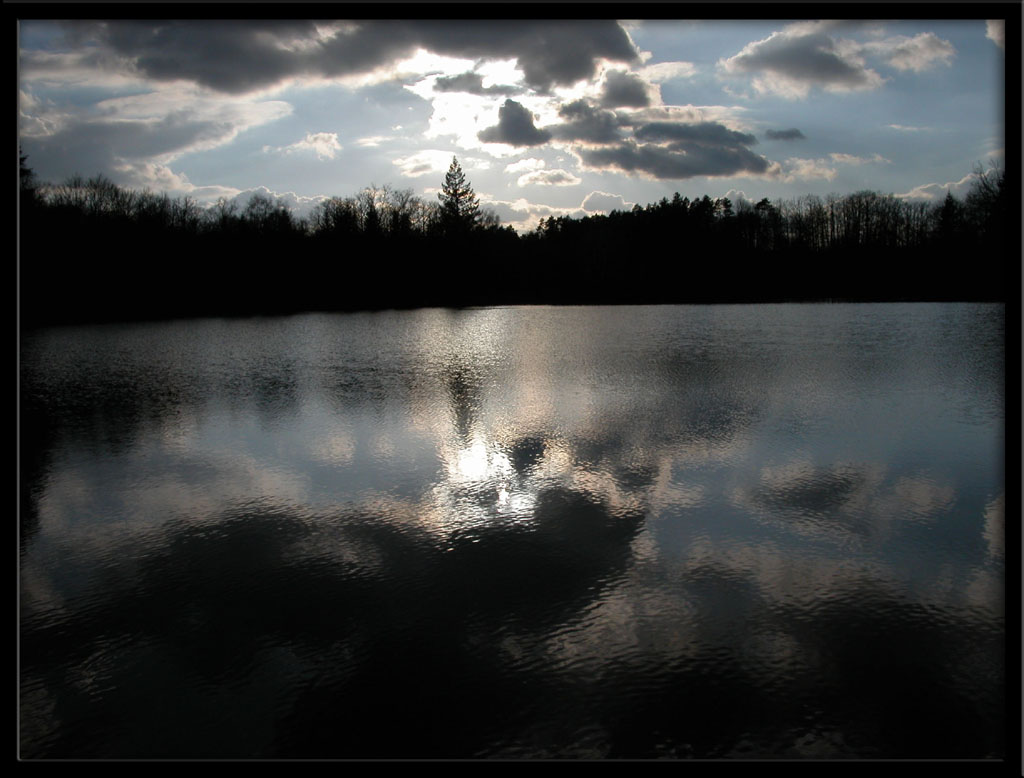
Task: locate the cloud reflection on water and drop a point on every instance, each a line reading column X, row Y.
column 572, row 500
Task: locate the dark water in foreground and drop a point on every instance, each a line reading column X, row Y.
column 712, row 532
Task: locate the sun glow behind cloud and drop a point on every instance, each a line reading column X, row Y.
column 152, row 113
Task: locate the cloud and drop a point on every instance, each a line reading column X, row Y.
column 995, row 31
column 243, row 56
column 850, row 159
column 905, row 128
column 323, row 144
column 675, row 161
column 91, row 144
column 548, row 178
column 38, row 118
column 606, row 202
column 372, row 141
column 89, row 68
column 528, row 164
column 473, row 83
column 790, row 62
column 515, row 127
column 703, row 133
column 160, row 178
column 156, row 127
column 621, row 89
column 586, row 123
column 919, row 53
column 804, row 55
column 423, row 162
column 523, row 215
column 665, row 113
column 299, row 205
column 796, row 169
column 676, row 150
column 737, row 196
column 666, row 71
column 932, row 192
column 690, row 114
column 790, row 134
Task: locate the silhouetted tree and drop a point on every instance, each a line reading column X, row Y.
column 267, row 215
column 227, row 259
column 399, row 207
column 26, row 177
column 948, row 220
column 460, row 208
column 723, row 208
column 28, row 195
column 335, row 218
column 986, row 205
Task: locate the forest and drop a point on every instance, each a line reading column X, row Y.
column 92, row 251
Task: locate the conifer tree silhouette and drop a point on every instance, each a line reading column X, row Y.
column 460, row 208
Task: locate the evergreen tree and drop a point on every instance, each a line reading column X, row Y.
column 949, row 218
column 460, row 208
column 27, row 180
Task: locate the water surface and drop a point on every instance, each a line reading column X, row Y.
column 581, row 532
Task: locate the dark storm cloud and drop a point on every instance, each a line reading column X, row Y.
column 473, row 83
column 809, row 58
column 624, row 90
column 549, row 53
column 586, row 123
column 791, row 134
column 515, row 127
column 241, row 56
column 703, row 134
column 228, row 56
column 676, row 160
column 666, row 149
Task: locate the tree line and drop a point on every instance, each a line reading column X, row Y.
column 860, row 246
column 93, row 251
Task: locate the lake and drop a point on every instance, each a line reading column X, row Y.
column 708, row 532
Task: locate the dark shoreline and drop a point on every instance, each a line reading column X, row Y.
column 92, row 252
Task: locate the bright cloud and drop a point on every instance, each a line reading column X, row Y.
column 527, row 164
column 938, row 191
column 797, row 169
column 324, row 144
column 667, row 71
column 604, row 202
column 423, row 162
column 371, row 141
column 995, row 31
column 524, row 215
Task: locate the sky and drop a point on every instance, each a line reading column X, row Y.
column 546, row 117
